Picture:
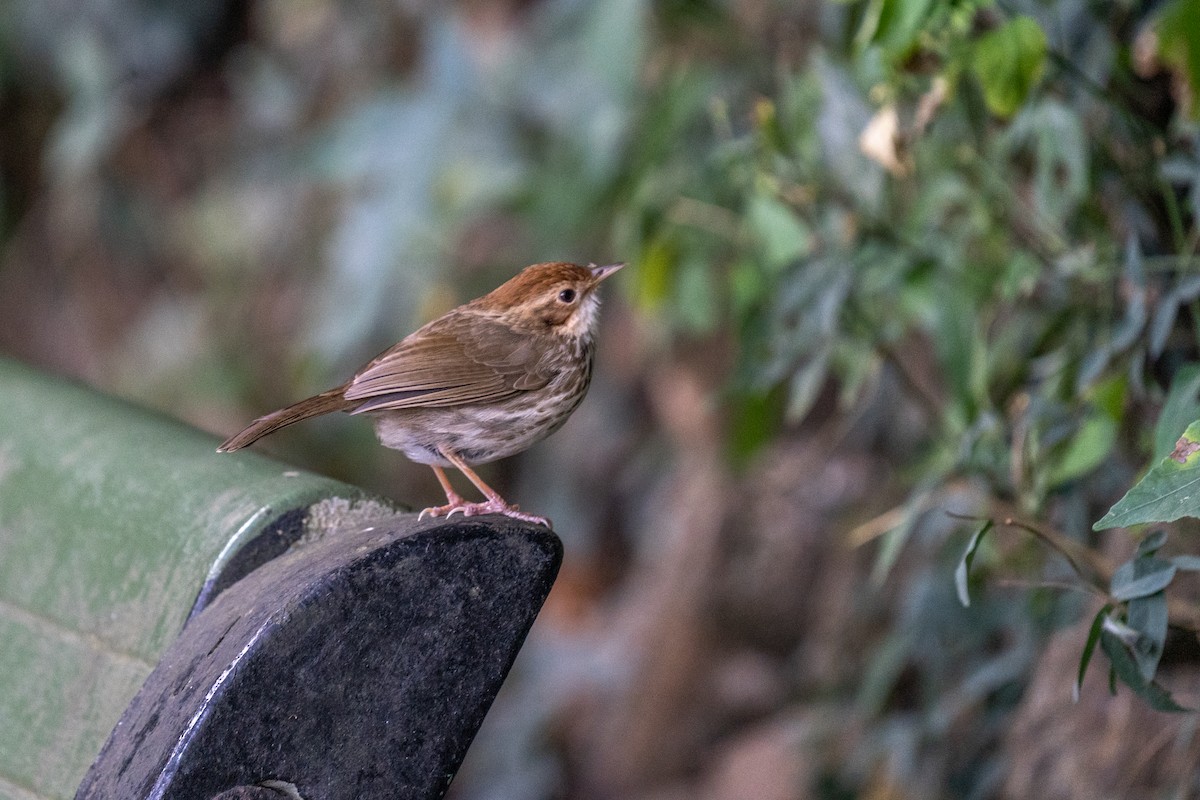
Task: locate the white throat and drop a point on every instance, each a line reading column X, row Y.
column 583, row 321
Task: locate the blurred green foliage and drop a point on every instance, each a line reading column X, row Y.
column 945, row 182
column 954, row 183
column 996, row 224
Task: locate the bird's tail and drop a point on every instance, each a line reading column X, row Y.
column 322, row 403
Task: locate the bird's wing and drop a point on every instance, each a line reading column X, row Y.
column 452, row 361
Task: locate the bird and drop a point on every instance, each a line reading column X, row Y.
column 483, row 382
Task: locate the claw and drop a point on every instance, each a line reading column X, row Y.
column 488, row 507
column 494, row 504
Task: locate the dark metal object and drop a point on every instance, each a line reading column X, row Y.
column 360, row 666
column 274, row 540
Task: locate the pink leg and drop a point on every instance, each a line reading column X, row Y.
column 454, row 499
column 495, row 503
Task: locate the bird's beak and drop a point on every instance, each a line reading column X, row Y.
column 600, row 273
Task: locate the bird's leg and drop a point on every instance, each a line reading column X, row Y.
column 495, row 504
column 454, row 499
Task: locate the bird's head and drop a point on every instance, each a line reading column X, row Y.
column 554, row 296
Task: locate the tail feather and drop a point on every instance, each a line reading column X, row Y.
column 323, row 403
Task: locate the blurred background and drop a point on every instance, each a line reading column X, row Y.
column 895, row 267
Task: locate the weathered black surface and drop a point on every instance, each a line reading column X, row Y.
column 281, row 534
column 357, row 667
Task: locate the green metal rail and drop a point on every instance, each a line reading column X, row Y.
column 113, row 520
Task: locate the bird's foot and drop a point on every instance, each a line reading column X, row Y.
column 459, row 506
column 454, row 501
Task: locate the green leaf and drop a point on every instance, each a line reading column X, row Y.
column 963, row 571
column 754, row 418
column 1148, row 616
column 1170, row 490
column 899, row 21
column 1141, row 577
column 748, row 286
column 697, row 301
column 1181, row 407
column 1086, row 451
column 1008, row 63
column 1089, row 647
column 1151, row 543
column 1126, row 669
column 1108, row 397
column 656, row 271
column 1179, row 44
column 782, row 235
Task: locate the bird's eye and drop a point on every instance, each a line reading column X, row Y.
column 567, row 296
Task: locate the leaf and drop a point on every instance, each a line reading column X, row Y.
column 1055, row 137
column 1184, row 449
column 753, row 420
column 1151, row 543
column 1108, row 397
column 962, row 572
column 899, row 22
column 1167, row 308
column 1141, row 577
column 1008, row 63
column 748, row 286
column 1133, row 323
column 782, row 235
column 697, row 301
column 1179, row 44
column 1161, row 325
column 1089, row 647
column 1181, row 407
column 1170, row 490
column 1125, row 634
column 1148, row 616
column 1086, row 451
column 1187, row 563
column 806, row 383
column 893, row 541
column 656, row 271
column 1126, row 669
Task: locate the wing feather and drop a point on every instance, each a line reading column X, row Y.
column 455, row 360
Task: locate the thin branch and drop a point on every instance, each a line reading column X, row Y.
column 1022, row 583
column 1095, row 570
column 1087, row 563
